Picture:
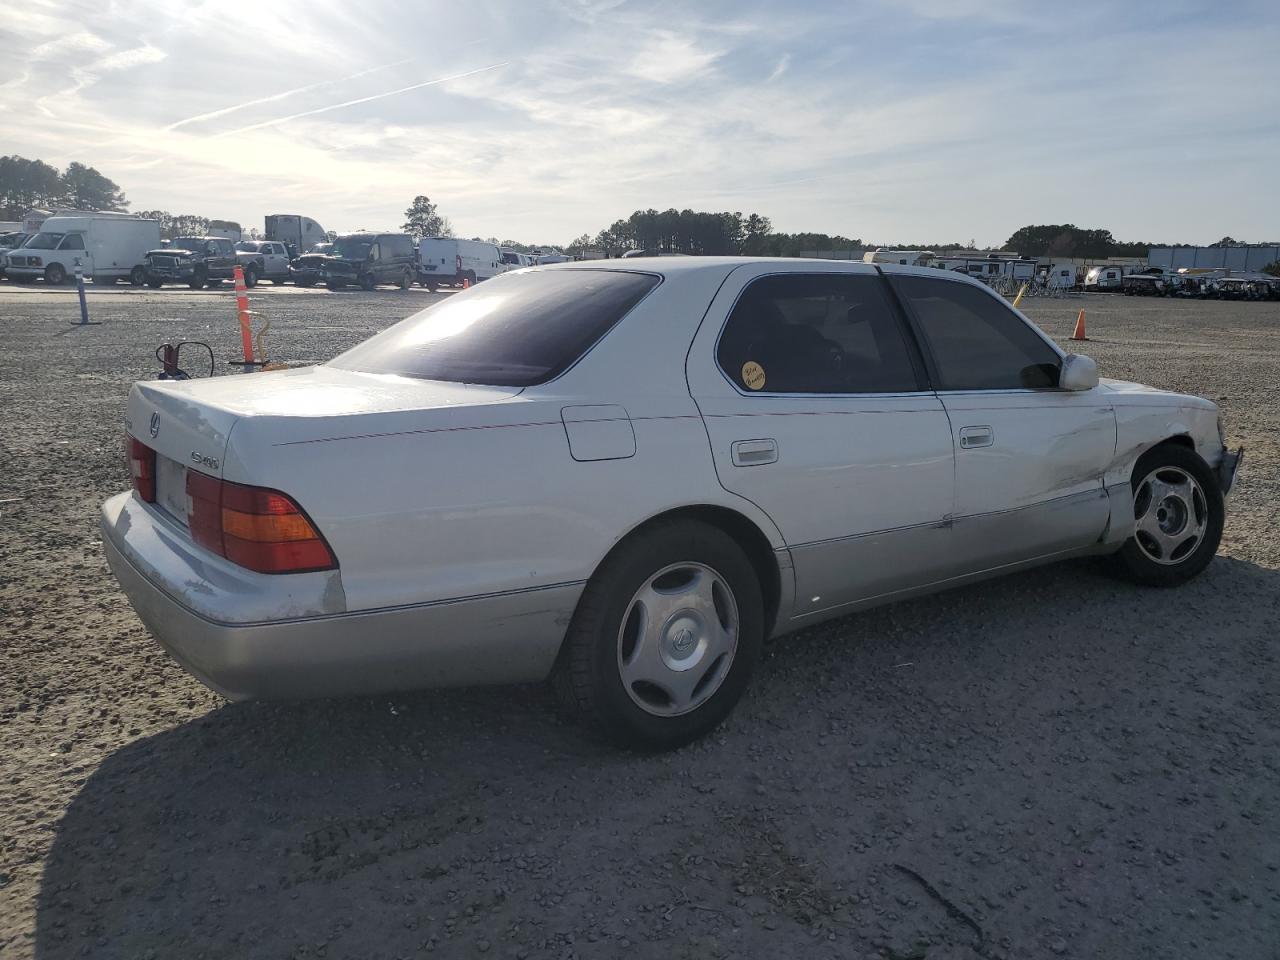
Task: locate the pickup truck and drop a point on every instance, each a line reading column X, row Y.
column 195, row 261
column 263, row 260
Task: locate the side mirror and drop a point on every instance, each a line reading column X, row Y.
column 1078, row 372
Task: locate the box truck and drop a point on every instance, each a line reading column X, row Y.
column 107, row 247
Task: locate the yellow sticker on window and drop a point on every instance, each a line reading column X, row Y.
column 753, row 375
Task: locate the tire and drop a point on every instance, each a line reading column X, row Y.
column 304, row 283
column 55, row 274
column 367, row 282
column 335, row 284
column 251, row 278
column 407, row 280
column 431, row 287
column 155, row 284
column 198, row 280
column 703, row 590
column 138, row 276
column 1179, row 513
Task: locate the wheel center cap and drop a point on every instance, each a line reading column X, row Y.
column 681, row 641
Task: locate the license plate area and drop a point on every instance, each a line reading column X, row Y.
column 171, row 488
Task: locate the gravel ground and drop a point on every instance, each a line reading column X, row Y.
column 1055, row 764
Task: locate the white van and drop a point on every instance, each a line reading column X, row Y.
column 449, row 261
column 106, row 247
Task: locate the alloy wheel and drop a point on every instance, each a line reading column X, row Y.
column 1171, row 515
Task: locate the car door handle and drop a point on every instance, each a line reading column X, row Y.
column 971, row 437
column 751, row 453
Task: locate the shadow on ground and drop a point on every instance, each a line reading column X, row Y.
column 1079, row 767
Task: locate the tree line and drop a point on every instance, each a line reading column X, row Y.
column 702, row 233
column 27, row 184
column 1068, row 240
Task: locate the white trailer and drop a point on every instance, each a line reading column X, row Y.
column 910, row 258
column 299, row 234
column 107, row 247
column 1105, row 277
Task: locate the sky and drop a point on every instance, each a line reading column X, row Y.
column 902, row 121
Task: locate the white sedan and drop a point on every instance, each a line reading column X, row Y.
column 627, row 476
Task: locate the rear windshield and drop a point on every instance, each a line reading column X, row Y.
column 513, row 331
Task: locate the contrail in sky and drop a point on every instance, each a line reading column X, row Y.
column 280, row 96
column 352, row 103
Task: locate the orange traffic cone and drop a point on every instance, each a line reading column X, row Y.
column 1079, row 334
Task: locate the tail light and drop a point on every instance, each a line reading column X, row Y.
column 457, row 262
column 142, row 468
column 263, row 530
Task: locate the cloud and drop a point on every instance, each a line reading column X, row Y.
column 670, row 57
column 359, row 100
column 283, row 95
column 918, row 121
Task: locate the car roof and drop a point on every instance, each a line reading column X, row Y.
column 675, row 266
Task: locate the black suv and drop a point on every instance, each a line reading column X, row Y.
column 191, row 260
column 369, row 259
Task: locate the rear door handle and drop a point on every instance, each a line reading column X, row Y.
column 971, row 437
column 751, row 453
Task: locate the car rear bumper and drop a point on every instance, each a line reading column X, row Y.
column 504, row 638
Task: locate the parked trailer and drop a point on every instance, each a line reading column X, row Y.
column 1106, row 278
column 107, row 247
column 227, row 229
column 298, row 233
column 911, row 258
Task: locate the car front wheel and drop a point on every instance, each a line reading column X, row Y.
column 1178, row 516
column 665, row 637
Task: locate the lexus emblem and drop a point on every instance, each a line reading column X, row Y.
column 155, row 423
column 683, row 640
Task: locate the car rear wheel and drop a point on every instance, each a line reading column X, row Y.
column 251, row 278
column 55, row 274
column 664, row 639
column 137, row 276
column 1178, row 516
column 197, row 281
column 407, row 280
column 367, row 282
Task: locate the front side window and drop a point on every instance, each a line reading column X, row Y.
column 73, row 241
column 977, row 342
column 45, row 241
column 517, row 330
column 816, row 333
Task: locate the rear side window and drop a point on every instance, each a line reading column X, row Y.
column 977, row 342
column 816, row 333
column 516, row 330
